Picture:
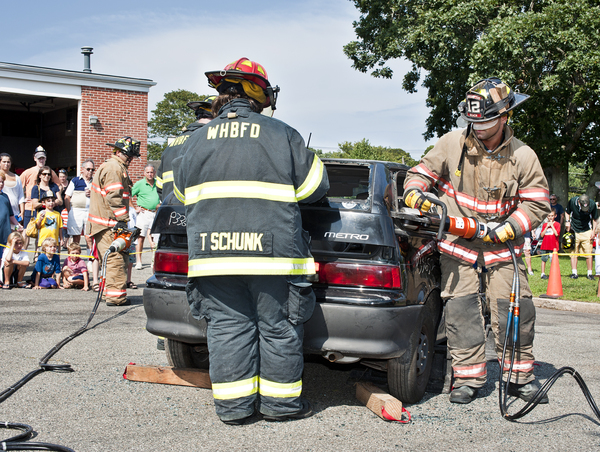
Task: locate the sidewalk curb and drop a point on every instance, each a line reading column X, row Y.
column 567, row 305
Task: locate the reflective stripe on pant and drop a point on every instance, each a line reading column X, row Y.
column 465, row 324
column 115, row 290
column 255, row 337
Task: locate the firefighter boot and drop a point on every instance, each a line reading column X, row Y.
column 305, row 411
column 463, row 394
column 526, row 391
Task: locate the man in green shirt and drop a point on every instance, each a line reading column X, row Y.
column 147, row 204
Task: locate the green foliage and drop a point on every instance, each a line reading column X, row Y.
column 155, row 150
column 364, row 150
column 549, row 49
column 169, row 117
column 581, row 289
column 579, row 174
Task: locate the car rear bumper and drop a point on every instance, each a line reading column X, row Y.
column 339, row 332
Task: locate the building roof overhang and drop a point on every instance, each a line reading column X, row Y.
column 74, row 78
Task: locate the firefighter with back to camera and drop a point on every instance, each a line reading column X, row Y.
column 164, row 175
column 109, row 207
column 486, row 173
column 241, row 178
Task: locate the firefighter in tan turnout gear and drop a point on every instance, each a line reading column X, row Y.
column 241, row 178
column 486, row 173
column 109, row 207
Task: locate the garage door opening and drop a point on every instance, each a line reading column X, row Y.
column 27, row 121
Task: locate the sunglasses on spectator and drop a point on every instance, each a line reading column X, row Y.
column 45, row 174
column 89, row 169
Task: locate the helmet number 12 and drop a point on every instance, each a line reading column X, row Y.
column 474, row 106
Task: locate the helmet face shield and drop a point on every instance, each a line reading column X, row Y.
column 485, row 125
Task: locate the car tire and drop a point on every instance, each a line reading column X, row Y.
column 408, row 375
column 180, row 354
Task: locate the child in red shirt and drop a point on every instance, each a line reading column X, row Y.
column 550, row 233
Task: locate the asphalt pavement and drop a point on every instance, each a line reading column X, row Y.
column 95, row 409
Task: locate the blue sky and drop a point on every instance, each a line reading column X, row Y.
column 174, row 43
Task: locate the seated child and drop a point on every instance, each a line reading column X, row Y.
column 75, row 272
column 46, row 274
column 14, row 262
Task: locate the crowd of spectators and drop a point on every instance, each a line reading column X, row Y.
column 59, row 207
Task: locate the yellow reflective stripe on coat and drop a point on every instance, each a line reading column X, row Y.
column 167, row 177
column 178, row 194
column 312, row 181
column 280, row 390
column 159, row 182
column 256, row 265
column 240, row 189
column 235, row 389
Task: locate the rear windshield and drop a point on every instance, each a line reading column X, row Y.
column 349, row 186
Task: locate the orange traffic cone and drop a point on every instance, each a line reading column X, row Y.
column 554, row 282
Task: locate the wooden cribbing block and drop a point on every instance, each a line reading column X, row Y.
column 168, row 375
column 375, row 399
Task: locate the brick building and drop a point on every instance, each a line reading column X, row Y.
column 71, row 114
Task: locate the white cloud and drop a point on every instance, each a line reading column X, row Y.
column 301, row 49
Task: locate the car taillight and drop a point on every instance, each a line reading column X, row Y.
column 345, row 274
column 170, row 262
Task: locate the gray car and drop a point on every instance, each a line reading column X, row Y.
column 377, row 281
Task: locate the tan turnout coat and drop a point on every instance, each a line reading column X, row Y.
column 507, row 184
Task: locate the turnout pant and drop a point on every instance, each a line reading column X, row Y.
column 115, row 290
column 465, row 328
column 255, row 334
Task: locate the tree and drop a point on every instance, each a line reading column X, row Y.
column 429, row 148
column 169, row 117
column 547, row 48
column 366, row 151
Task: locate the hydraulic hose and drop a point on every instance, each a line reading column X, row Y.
column 19, row 442
column 512, row 325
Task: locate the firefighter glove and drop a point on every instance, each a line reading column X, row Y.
column 415, row 199
column 500, row 234
column 120, row 225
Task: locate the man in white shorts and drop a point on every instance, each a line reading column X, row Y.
column 77, row 200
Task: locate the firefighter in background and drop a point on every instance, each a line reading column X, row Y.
column 109, row 207
column 241, row 178
column 164, row 175
column 486, row 173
